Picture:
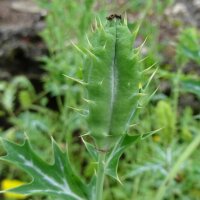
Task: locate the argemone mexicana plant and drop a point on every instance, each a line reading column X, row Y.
column 113, row 80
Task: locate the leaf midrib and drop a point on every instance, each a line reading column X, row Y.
column 113, row 82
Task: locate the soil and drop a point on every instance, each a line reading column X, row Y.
column 20, row 23
column 190, row 11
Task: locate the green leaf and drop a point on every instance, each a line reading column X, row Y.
column 188, row 83
column 188, row 46
column 192, row 86
column 8, row 98
column 92, row 186
column 91, row 150
column 112, row 76
column 25, row 99
column 57, row 179
column 175, row 169
column 9, row 95
column 112, row 159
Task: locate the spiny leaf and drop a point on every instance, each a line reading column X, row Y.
column 112, row 159
column 111, row 164
column 91, row 150
column 112, row 71
column 76, row 80
column 57, row 179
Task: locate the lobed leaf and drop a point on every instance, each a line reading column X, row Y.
column 57, row 179
column 112, row 160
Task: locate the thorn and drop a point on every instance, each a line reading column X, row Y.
column 146, row 70
column 140, row 86
column 135, row 33
column 143, row 59
column 104, row 46
column 142, row 94
column 101, row 82
column 119, row 180
column 100, row 23
column 138, row 94
column 133, row 125
column 142, row 45
column 88, row 41
column 76, row 80
column 125, row 19
column 134, row 95
column 92, row 29
column 77, row 109
column 150, row 79
column 89, row 101
column 150, row 133
column 91, row 54
column 96, row 23
column 77, row 48
column 52, row 139
column 26, row 136
column 81, row 136
column 153, row 93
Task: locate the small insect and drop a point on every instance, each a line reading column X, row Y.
column 114, row 16
column 118, row 16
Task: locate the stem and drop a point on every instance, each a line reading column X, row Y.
column 176, row 91
column 100, row 176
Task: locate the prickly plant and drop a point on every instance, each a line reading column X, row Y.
column 113, row 80
column 112, row 77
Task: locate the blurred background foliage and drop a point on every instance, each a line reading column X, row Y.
column 51, row 111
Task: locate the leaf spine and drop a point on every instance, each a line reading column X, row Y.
column 96, row 23
column 139, row 49
column 150, row 79
column 135, row 33
column 152, row 94
column 100, row 82
column 83, row 135
column 78, row 48
column 143, row 59
column 146, row 70
column 133, row 125
column 150, row 133
column 142, row 94
column 76, row 80
column 91, row 54
column 140, row 86
column 90, row 45
column 77, row 109
column 88, row 101
column 104, row 46
column 92, row 29
column 100, row 23
column 125, row 19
